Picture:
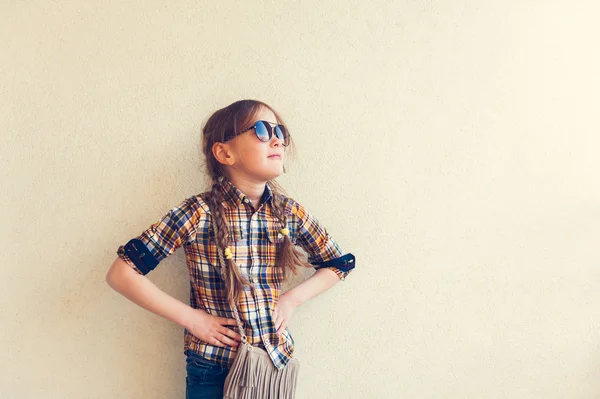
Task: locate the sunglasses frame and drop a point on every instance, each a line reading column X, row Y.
column 270, row 129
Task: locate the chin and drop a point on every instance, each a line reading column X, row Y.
column 274, row 175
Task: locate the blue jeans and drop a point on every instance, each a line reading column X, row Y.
column 205, row 379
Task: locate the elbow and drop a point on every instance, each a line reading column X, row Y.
column 110, row 278
column 118, row 273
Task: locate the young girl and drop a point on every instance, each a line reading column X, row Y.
column 245, row 145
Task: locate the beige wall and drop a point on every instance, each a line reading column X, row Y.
column 452, row 146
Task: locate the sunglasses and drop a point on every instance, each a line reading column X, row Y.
column 264, row 132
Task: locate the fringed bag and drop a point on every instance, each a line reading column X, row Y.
column 253, row 374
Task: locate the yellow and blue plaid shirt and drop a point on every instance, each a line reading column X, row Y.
column 255, row 238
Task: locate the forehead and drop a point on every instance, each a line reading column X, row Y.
column 264, row 114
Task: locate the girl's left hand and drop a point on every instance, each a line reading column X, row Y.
column 283, row 311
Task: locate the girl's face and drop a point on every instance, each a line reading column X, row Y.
column 254, row 158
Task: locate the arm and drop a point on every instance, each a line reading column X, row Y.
column 141, row 255
column 144, row 252
column 321, row 281
column 323, row 251
column 325, row 254
column 139, row 289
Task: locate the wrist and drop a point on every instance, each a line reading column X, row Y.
column 186, row 317
column 294, row 296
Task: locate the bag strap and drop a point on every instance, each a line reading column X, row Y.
column 221, row 269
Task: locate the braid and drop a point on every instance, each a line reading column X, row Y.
column 235, row 281
column 288, row 256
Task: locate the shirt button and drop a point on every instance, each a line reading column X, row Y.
column 246, row 200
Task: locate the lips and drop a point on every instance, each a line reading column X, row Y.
column 275, row 156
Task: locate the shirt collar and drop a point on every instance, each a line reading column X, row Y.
column 234, row 196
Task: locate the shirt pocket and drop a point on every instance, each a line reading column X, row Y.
column 205, row 245
column 235, row 231
column 276, row 237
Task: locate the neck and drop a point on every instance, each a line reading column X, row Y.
column 252, row 188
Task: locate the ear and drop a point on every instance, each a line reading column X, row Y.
column 223, row 153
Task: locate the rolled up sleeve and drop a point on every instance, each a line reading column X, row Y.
column 323, row 251
column 177, row 227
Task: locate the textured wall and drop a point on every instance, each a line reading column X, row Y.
column 452, row 146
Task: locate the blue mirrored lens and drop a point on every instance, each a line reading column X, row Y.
column 262, row 132
column 279, row 133
column 282, row 134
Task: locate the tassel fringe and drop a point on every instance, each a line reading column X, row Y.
column 253, row 376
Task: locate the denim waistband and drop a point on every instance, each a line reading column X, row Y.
column 199, row 358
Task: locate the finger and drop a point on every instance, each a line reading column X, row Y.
column 227, row 322
column 214, row 341
column 231, row 333
column 226, row 340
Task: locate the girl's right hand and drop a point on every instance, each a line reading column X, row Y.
column 212, row 329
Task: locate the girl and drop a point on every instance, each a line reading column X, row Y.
column 245, row 145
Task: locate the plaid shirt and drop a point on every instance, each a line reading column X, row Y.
column 255, row 237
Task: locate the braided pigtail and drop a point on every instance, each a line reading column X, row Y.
column 235, row 281
column 288, row 256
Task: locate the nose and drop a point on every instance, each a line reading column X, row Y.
column 276, row 141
